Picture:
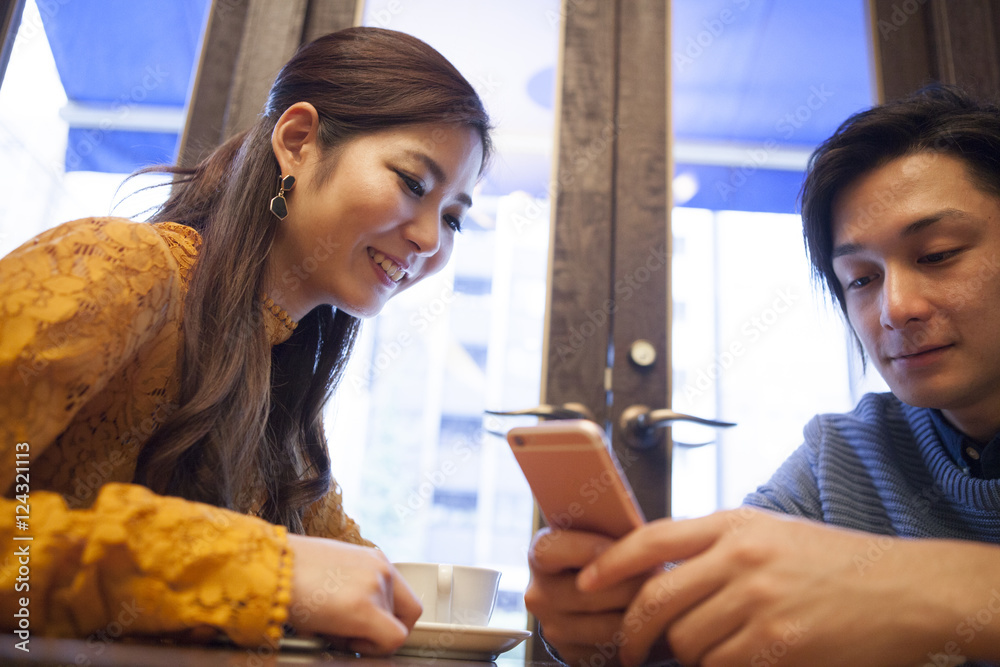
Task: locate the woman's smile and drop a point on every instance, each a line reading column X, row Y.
column 390, row 270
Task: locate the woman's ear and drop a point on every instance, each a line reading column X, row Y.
column 294, row 136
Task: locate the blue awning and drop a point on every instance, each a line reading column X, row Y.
column 126, row 67
column 756, row 87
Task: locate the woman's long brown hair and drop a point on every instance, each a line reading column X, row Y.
column 249, row 427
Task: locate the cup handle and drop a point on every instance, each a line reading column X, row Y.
column 446, row 575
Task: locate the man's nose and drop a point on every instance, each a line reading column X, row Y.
column 903, row 299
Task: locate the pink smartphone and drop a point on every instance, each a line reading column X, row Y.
column 575, row 477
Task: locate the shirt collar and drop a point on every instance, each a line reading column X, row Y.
column 986, row 462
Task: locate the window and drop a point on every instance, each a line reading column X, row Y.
column 77, row 115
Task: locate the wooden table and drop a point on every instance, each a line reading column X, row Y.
column 132, row 653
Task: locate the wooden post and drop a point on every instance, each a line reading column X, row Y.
column 918, row 42
column 10, row 21
column 609, row 264
column 246, row 43
column 610, row 248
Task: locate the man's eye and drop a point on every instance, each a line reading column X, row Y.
column 937, row 257
column 859, row 282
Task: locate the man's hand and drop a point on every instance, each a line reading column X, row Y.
column 763, row 589
column 578, row 625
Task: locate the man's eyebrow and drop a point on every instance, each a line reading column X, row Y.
column 924, row 223
column 914, row 227
column 438, row 173
column 845, row 249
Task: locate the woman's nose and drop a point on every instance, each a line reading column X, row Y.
column 424, row 232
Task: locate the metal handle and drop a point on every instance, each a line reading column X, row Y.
column 639, row 425
column 564, row 411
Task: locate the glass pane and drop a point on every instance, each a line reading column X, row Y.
column 755, row 343
column 756, row 87
column 422, row 470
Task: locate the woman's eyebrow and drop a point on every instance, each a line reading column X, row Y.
column 438, row 173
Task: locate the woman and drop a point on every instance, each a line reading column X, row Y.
column 162, row 438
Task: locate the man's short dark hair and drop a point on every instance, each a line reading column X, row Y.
column 937, row 119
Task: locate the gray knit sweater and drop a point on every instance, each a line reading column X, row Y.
column 882, row 468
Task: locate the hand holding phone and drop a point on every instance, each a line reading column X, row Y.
column 575, row 477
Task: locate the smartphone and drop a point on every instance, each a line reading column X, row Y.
column 575, row 477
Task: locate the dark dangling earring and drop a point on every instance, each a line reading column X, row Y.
column 278, row 205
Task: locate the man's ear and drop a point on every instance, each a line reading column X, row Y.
column 294, row 136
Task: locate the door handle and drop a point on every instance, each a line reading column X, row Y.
column 639, row 424
column 564, row 411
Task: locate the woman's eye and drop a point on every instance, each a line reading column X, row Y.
column 453, row 222
column 412, row 184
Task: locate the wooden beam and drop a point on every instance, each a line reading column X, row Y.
column 10, row 21
column 641, row 289
column 326, row 16
column 610, row 245
column 577, row 326
column 936, row 41
column 246, row 42
column 206, row 114
column 577, row 329
column 965, row 39
column 272, row 33
column 609, row 263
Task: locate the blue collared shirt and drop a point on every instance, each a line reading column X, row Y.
column 977, row 459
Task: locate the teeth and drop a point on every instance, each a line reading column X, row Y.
column 394, row 272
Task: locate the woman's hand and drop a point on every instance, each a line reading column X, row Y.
column 763, row 589
column 351, row 595
column 578, row 625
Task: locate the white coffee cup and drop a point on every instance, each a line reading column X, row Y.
column 456, row 594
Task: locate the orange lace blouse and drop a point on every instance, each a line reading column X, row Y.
column 90, row 333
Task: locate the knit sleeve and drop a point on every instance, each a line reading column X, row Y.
column 145, row 565
column 76, row 303
column 793, row 489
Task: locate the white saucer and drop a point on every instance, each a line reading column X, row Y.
column 460, row 642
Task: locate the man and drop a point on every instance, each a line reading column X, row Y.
column 875, row 542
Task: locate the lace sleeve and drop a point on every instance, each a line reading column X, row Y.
column 79, row 304
column 76, row 303
column 143, row 564
column 326, row 518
